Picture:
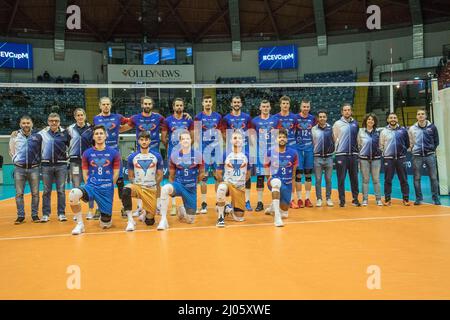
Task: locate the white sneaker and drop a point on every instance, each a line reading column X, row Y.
column 364, row 203
column 319, row 203
column 268, row 211
column 79, row 229
column 181, row 213
column 62, row 218
column 137, row 213
column 379, row 203
column 278, row 222
column 236, row 218
column 163, row 225
column 142, row 216
column 74, row 218
column 284, row 215
column 330, row 203
column 105, row 225
column 130, row 226
column 89, row 216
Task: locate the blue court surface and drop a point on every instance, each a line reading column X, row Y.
column 8, row 191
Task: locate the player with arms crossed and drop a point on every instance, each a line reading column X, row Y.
column 210, row 142
column 172, row 127
column 146, row 121
column 282, row 163
column 238, row 120
column 264, row 126
column 236, row 171
column 100, row 165
column 305, row 152
column 114, row 124
column 145, row 171
column 186, row 169
column 288, row 121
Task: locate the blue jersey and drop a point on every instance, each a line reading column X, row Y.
column 112, row 124
column 150, row 124
column 264, row 129
column 304, row 126
column 80, row 141
column 186, row 168
column 174, row 127
column 210, row 127
column 289, row 123
column 240, row 122
column 282, row 165
column 101, row 165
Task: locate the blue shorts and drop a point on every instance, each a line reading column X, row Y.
column 189, row 195
column 103, row 196
column 305, row 159
column 285, row 192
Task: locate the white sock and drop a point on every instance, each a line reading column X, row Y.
column 79, row 216
column 299, row 195
column 270, row 208
column 183, row 213
column 139, row 204
column 158, row 203
column 174, row 202
column 260, row 195
column 129, row 215
column 284, row 213
column 247, row 195
column 276, row 207
column 293, row 195
column 308, row 193
column 220, row 210
column 164, row 207
column 203, row 197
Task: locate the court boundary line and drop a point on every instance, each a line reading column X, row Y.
column 229, row 226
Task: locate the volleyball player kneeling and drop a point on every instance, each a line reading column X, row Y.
column 145, row 171
column 236, row 171
column 186, row 169
column 282, row 162
column 100, row 165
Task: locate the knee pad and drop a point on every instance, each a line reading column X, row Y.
column 166, row 191
column 298, row 175
column 260, row 182
column 308, row 174
column 120, row 184
column 248, row 184
column 75, row 196
column 126, row 199
column 221, row 192
column 276, row 185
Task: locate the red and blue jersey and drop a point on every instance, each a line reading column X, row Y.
column 210, row 127
column 304, row 126
column 241, row 122
column 175, row 127
column 150, row 124
column 112, row 124
column 288, row 122
column 264, row 129
column 101, row 165
column 282, row 164
column 187, row 167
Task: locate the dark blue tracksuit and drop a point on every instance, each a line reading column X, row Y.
column 394, row 143
column 345, row 134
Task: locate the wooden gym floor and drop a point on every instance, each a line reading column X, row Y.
column 321, row 253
